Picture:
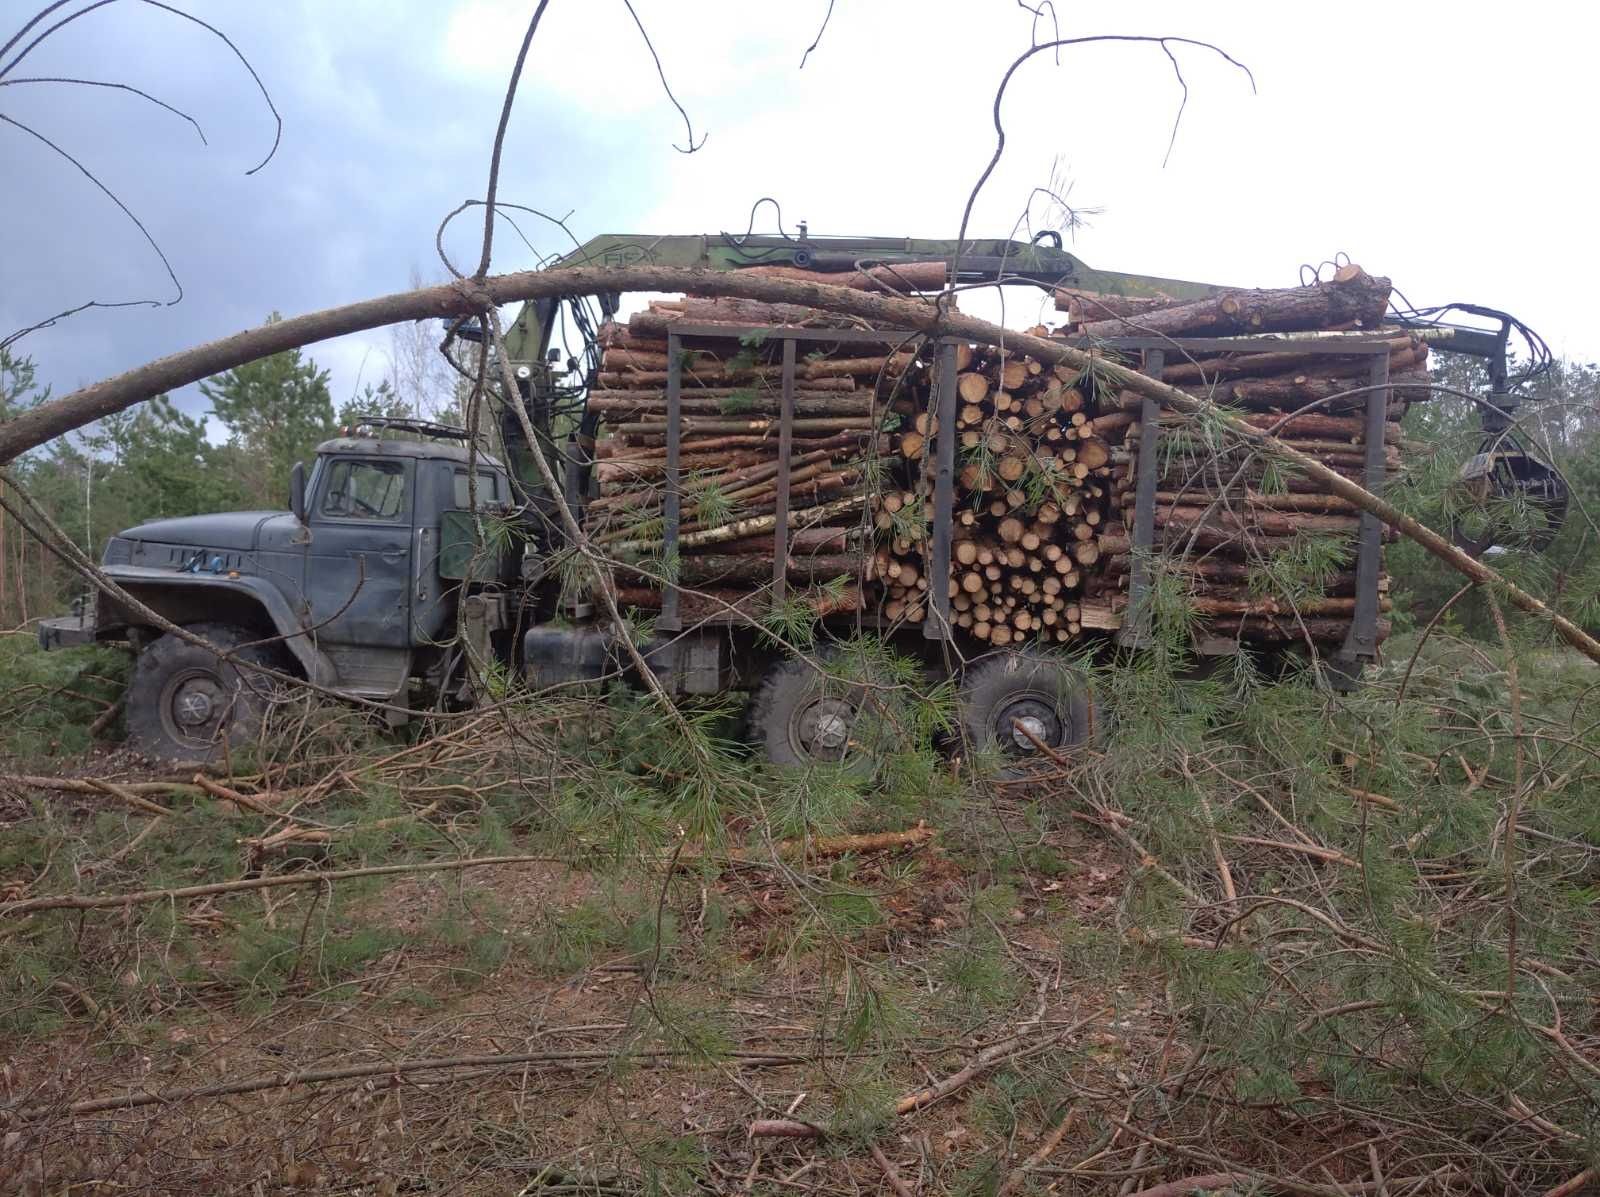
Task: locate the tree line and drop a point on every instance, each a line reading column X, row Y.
column 156, row 461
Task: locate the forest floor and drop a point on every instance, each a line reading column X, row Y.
column 685, row 983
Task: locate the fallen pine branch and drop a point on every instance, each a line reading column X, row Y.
column 1039, row 1155
column 844, row 845
column 391, row 1068
column 890, row 1173
column 1011, row 1048
column 82, row 785
column 1195, row 1184
column 147, row 896
column 133, row 800
column 294, row 835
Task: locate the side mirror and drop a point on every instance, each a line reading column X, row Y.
column 297, row 491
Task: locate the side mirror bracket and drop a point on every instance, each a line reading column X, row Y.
column 297, row 491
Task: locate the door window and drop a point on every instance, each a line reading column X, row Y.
column 365, row 490
column 488, row 490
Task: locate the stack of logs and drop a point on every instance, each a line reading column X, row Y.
column 1221, row 515
column 1032, row 489
column 730, row 402
column 1046, row 462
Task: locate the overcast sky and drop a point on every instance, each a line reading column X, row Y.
column 1448, row 147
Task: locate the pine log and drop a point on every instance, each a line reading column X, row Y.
column 1269, row 522
column 619, row 407
column 743, row 528
column 1289, row 629
column 821, row 540
column 890, row 366
column 1293, row 424
column 699, row 425
column 724, row 310
column 1086, row 306
column 1286, row 361
column 901, row 278
column 1204, row 605
column 1280, row 392
column 1327, row 503
column 1360, row 299
column 736, row 605
column 622, row 360
column 715, row 374
column 755, row 567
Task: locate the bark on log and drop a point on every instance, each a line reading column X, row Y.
column 1278, row 392
column 819, row 540
column 614, row 380
column 1286, row 628
column 619, row 407
column 865, row 367
column 1270, row 523
column 701, row 425
column 1088, row 306
column 1255, row 500
column 1361, row 299
column 1286, row 361
column 907, row 277
column 740, row 529
column 729, row 605
column 757, row 567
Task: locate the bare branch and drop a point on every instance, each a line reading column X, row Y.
column 1005, row 81
column 499, row 147
column 117, row 86
column 816, row 41
column 114, row 198
column 665, row 86
column 5, row 70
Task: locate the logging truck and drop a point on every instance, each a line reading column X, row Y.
column 733, row 459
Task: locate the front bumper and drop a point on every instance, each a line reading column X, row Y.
column 65, row 631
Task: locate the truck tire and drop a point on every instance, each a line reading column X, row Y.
column 187, row 704
column 800, row 717
column 1048, row 696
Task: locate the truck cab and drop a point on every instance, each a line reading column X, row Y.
column 357, row 588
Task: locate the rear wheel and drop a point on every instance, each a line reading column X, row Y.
column 1011, row 703
column 186, row 703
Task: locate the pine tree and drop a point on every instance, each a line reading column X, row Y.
column 275, row 409
column 380, row 400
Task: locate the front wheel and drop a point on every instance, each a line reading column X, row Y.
column 187, row 703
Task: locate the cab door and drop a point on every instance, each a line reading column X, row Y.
column 358, row 570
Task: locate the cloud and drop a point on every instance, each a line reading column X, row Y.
column 1432, row 151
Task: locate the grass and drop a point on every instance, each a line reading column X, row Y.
column 666, row 923
column 51, row 698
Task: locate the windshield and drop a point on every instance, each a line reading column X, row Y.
column 364, row 489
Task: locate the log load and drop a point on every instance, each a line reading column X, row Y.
column 1263, row 556
column 730, row 407
column 1032, row 490
column 1045, row 465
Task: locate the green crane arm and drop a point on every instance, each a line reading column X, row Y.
column 1046, row 265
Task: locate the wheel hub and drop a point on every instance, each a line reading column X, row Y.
column 823, row 727
column 1028, row 720
column 196, row 702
